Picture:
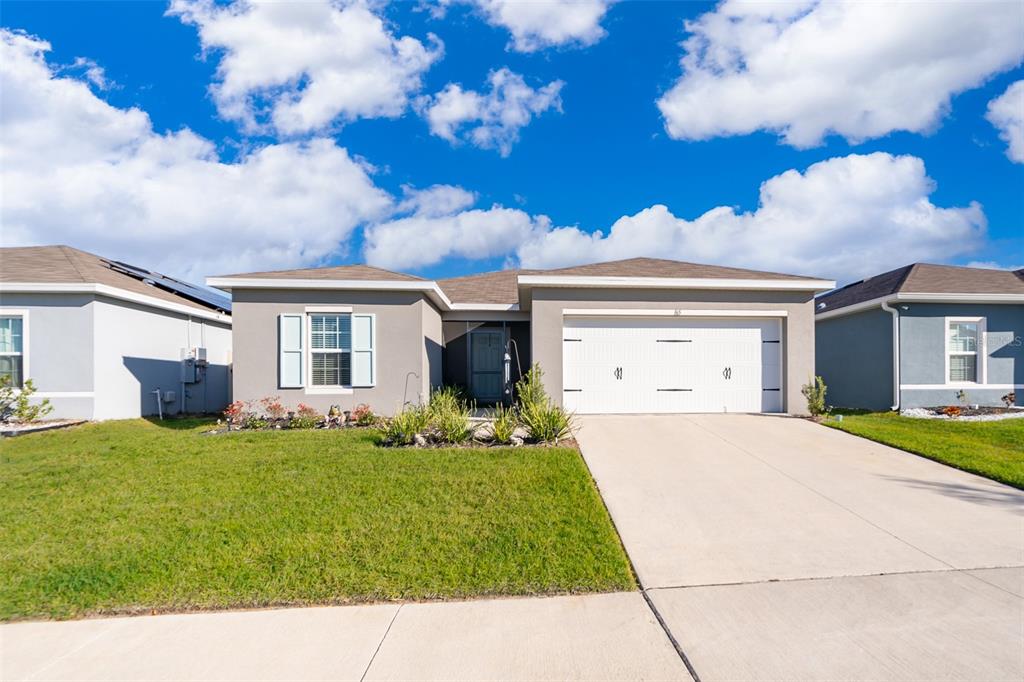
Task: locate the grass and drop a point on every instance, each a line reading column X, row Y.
column 992, row 449
column 135, row 516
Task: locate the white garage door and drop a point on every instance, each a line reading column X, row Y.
column 649, row 365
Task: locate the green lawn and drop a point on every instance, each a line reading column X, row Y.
column 137, row 516
column 992, row 449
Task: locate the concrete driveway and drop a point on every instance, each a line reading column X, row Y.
column 775, row 548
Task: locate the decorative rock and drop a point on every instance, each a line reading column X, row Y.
column 516, row 441
column 419, row 441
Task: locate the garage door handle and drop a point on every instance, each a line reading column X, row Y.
column 727, row 372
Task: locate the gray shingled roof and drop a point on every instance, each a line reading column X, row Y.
column 60, row 264
column 362, row 273
column 502, row 287
column 924, row 278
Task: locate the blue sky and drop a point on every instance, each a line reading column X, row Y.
column 606, row 154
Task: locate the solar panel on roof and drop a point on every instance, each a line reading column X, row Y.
column 174, row 286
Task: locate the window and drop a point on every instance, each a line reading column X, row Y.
column 963, row 338
column 12, row 353
column 331, row 348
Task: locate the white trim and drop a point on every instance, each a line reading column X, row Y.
column 64, row 394
column 112, row 292
column 896, row 353
column 23, row 314
column 961, row 298
column 328, row 390
column 340, row 309
column 503, row 307
column 976, row 387
column 675, row 282
column 668, row 312
column 429, row 288
column 980, row 352
column 910, row 297
column 485, row 316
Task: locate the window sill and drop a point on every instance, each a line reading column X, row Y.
column 328, row 390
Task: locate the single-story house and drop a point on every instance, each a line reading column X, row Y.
column 638, row 335
column 918, row 335
column 103, row 339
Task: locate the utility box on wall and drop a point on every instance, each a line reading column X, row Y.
column 191, row 361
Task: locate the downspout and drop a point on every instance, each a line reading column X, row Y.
column 895, row 354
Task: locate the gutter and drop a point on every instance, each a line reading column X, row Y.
column 895, row 354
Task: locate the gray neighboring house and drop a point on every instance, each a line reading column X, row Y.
column 99, row 337
column 916, row 336
column 638, row 335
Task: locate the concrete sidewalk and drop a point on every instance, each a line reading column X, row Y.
column 604, row 636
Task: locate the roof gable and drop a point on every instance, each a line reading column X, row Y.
column 356, row 273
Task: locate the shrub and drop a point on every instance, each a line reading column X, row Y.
column 251, row 420
column 449, row 415
column 403, row 428
column 815, row 391
column 273, row 408
column 504, row 421
column 952, row 411
column 1009, row 399
column 305, row 417
column 14, row 402
column 530, row 387
column 362, row 415
column 544, row 422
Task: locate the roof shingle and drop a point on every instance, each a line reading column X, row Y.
column 924, row 278
column 60, row 264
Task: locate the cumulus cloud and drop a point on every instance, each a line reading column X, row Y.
column 539, row 24
column 844, row 218
column 1006, row 113
column 437, row 225
column 76, row 170
column 857, row 69
column 493, row 119
column 302, row 66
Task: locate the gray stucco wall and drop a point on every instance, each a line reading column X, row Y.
column 59, row 350
column 138, row 350
column 923, row 360
column 798, row 326
column 404, row 355
column 854, row 356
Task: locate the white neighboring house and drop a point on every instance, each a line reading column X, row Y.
column 100, row 338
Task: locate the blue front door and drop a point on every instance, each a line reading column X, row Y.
column 487, row 365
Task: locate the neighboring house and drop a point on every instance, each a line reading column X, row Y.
column 98, row 337
column 639, row 335
column 917, row 336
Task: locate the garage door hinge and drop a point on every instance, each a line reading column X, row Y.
column 573, row 390
column 577, row 340
column 674, row 341
column 688, row 390
column 769, row 342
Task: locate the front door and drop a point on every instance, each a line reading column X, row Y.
column 487, row 365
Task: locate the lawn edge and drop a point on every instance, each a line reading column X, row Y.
column 923, row 455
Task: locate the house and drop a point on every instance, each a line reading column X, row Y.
column 638, row 335
column 103, row 339
column 918, row 335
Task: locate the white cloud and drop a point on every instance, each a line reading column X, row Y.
column 992, row 265
column 1006, row 113
column 76, row 170
column 306, row 65
column 858, row 69
column 537, row 24
column 844, row 218
column 490, row 120
column 439, row 227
